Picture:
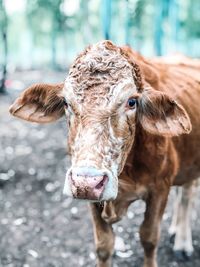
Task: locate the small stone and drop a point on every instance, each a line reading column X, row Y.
column 126, row 254
column 31, row 171
column 165, row 216
column 120, row 229
column 50, row 187
column 4, row 177
column 81, row 261
column 33, row 253
column 11, row 173
column 119, row 244
column 130, row 214
column 19, row 221
column 64, row 255
column 92, row 256
column 46, row 213
column 74, row 210
column 22, row 150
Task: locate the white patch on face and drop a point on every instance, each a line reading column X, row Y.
column 68, row 88
column 125, row 89
column 119, row 89
column 117, row 143
column 88, row 139
column 68, row 92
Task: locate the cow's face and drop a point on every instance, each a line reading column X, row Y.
column 100, row 95
column 104, row 100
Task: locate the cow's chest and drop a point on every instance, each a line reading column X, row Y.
column 114, row 210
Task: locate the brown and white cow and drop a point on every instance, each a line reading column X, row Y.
column 129, row 121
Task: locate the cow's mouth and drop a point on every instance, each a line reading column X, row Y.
column 88, row 187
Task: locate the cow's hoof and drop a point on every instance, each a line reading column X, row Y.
column 182, row 255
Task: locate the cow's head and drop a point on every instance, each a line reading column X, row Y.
column 104, row 98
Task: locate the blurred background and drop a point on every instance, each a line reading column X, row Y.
column 39, row 39
column 39, row 34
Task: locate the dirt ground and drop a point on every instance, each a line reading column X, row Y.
column 39, row 227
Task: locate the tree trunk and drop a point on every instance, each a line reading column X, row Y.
column 174, row 24
column 106, row 18
column 127, row 24
column 5, row 48
column 162, row 11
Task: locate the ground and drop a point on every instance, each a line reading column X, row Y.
column 39, row 227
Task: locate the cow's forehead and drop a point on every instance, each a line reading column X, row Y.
column 98, row 73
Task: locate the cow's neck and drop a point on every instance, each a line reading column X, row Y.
column 151, row 156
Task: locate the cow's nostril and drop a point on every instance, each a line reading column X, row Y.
column 102, row 183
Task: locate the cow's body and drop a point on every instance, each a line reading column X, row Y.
column 154, row 162
column 188, row 146
column 182, row 82
column 177, row 157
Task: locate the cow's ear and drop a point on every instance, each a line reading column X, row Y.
column 40, row 103
column 159, row 114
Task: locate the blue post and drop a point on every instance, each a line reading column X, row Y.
column 106, row 18
column 159, row 18
column 174, row 21
column 127, row 24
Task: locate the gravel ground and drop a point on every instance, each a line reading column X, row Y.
column 39, row 227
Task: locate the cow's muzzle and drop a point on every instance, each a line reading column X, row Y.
column 86, row 183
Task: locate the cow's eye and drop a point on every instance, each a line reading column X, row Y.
column 131, row 103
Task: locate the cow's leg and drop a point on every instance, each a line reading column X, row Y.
column 183, row 247
column 177, row 200
column 150, row 228
column 103, row 236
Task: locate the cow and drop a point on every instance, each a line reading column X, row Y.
column 133, row 132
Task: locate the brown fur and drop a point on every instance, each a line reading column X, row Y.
column 177, row 157
column 168, row 96
column 44, row 100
